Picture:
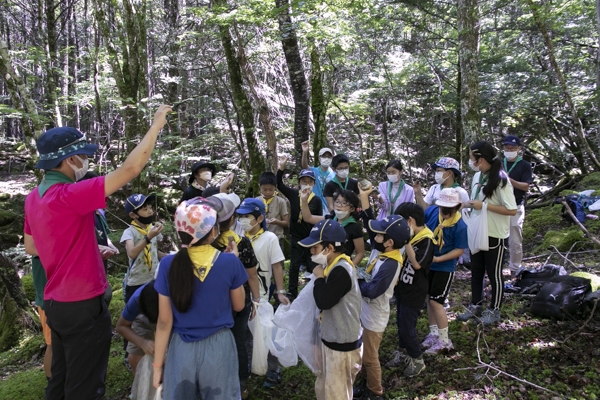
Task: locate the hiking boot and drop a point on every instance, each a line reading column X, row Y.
column 359, row 390
column 414, row 366
column 273, row 378
column 369, row 395
column 472, row 311
column 490, row 317
column 440, row 347
column 429, row 341
column 398, row 359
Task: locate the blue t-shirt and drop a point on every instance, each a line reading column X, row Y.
column 321, row 179
column 132, row 308
column 455, row 237
column 210, row 310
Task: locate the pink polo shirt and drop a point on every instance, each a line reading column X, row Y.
column 62, row 225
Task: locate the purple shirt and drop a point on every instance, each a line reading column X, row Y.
column 387, row 208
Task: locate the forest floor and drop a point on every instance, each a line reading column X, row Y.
column 523, row 357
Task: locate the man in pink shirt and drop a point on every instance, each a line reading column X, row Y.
column 59, row 228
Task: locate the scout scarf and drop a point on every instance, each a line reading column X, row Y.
column 203, row 257
column 144, row 231
column 393, row 254
column 52, row 178
column 335, row 261
column 514, row 163
column 256, row 235
column 336, row 180
column 400, row 189
column 349, row 220
column 267, row 202
column 223, row 239
column 482, row 181
column 310, row 197
column 438, row 233
column 197, row 185
column 424, row 234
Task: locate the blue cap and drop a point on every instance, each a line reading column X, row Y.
column 250, row 205
column 394, row 226
column 307, row 172
column 56, row 144
column 136, row 201
column 326, row 230
column 511, row 140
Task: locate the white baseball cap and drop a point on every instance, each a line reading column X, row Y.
column 449, row 197
column 325, row 150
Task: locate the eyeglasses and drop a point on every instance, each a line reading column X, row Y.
column 341, row 203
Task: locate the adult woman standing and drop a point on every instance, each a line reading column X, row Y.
column 491, row 186
column 198, row 287
column 394, row 191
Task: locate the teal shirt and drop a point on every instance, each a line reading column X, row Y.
column 39, row 280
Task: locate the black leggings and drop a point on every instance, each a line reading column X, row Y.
column 489, row 262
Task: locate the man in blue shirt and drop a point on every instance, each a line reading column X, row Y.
column 323, row 173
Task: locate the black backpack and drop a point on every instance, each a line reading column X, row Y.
column 530, row 281
column 562, row 297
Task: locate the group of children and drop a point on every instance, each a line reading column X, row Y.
column 195, row 322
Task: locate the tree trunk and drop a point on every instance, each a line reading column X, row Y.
column 468, row 56
column 52, row 60
column 318, row 103
column 384, row 128
column 460, row 135
column 291, row 50
column 563, row 85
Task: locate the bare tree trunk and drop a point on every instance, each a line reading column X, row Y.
column 384, row 128
column 291, row 50
column 171, row 8
column 468, row 56
column 318, row 103
column 52, row 60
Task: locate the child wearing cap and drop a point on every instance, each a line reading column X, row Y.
column 251, row 214
column 299, row 227
column 202, row 173
column 341, row 181
column 323, row 172
column 388, row 236
column 450, row 233
column 197, row 289
column 447, row 173
column 394, row 191
column 276, row 211
column 337, row 294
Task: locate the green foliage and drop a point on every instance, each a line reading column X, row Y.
column 117, row 304
column 562, row 240
column 594, row 279
column 540, row 220
column 118, row 378
column 591, row 181
column 27, row 282
column 24, row 351
column 26, row 385
column 10, row 329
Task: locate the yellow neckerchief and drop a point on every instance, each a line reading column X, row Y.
column 393, row 254
column 267, row 202
column 425, row 233
column 330, row 266
column 223, row 239
column 255, row 236
column 310, row 197
column 438, row 233
column 144, row 231
column 203, row 257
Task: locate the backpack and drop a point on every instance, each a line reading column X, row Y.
column 575, row 204
column 530, row 281
column 561, row 297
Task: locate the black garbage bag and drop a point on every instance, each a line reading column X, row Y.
column 562, row 297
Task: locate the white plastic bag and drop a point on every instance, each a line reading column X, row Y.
column 282, row 345
column 261, row 327
column 477, row 228
column 158, row 395
column 143, row 388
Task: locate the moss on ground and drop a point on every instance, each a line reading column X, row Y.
column 563, row 240
column 591, row 181
column 27, row 282
column 10, row 330
column 541, row 220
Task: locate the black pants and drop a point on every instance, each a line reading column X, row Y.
column 406, row 319
column 81, row 334
column 129, row 291
column 489, row 262
column 240, row 326
column 298, row 256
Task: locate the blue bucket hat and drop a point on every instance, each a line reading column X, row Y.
column 137, row 201
column 56, row 144
column 394, row 226
column 326, row 230
column 251, row 205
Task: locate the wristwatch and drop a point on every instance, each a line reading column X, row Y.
column 147, row 239
column 282, row 291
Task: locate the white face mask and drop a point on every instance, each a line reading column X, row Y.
column 343, row 173
column 319, row 259
column 325, row 162
column 305, row 187
column 473, row 167
column 341, row 214
column 246, row 224
column 439, row 177
column 206, row 176
column 80, row 172
column 511, row 155
column 393, row 178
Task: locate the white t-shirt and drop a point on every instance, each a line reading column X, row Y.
column 434, row 193
column 139, row 272
column 267, row 251
column 498, row 225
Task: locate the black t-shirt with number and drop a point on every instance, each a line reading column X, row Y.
column 520, row 173
column 413, row 284
column 246, row 256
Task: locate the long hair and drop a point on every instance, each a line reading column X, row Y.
column 149, row 302
column 181, row 275
column 395, row 164
column 496, row 175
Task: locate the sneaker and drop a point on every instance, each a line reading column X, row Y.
column 414, row 366
column 429, row 341
column 490, row 317
column 273, row 378
column 472, row 311
column 371, row 396
column 440, row 347
column 398, row 358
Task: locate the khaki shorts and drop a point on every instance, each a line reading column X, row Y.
column 45, row 327
column 142, row 327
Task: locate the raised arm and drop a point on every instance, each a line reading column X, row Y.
column 306, row 214
column 305, row 154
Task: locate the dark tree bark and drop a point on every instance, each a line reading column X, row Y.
column 51, row 42
column 318, row 103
